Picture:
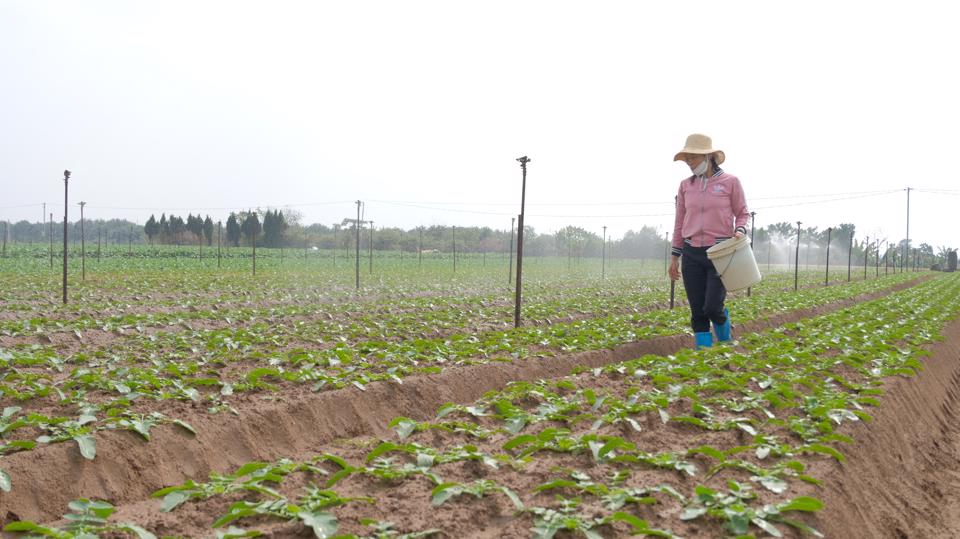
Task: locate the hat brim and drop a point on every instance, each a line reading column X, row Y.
column 720, row 156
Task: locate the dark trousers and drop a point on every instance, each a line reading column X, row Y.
column 705, row 291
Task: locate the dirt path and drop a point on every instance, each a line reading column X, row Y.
column 901, row 478
column 289, row 424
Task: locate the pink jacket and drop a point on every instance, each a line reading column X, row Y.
column 709, row 210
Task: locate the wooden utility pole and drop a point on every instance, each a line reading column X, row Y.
column 523, row 199
column 83, row 250
column 66, row 189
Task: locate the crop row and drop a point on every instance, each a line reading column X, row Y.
column 96, row 308
column 701, row 441
column 53, row 399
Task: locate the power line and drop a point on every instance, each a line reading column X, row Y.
column 829, row 200
column 226, row 208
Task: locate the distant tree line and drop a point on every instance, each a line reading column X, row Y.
column 276, row 229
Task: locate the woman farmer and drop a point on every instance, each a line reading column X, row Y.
column 711, row 208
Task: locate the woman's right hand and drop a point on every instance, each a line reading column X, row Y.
column 674, row 271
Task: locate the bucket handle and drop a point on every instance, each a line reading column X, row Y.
column 725, row 268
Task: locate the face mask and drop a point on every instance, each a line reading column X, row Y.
column 701, row 169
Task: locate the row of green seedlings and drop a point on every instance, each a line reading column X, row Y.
column 541, row 301
column 783, row 371
column 358, row 320
column 449, row 311
column 172, row 379
column 339, row 366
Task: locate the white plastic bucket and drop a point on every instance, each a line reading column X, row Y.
column 735, row 263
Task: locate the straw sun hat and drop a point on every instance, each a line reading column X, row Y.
column 701, row 145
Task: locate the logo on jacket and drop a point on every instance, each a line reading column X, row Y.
column 718, row 189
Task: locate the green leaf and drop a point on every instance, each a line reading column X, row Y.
column 185, row 426
column 384, row 447
column 138, row 531
column 637, row 523
column 559, row 483
column 766, row 526
column 141, row 427
column 691, row 513
column 172, row 500
column 771, row 483
column 711, row 452
column 88, row 446
column 249, row 468
column 403, row 426
column 825, row 449
column 443, row 492
column 801, row 503
column 323, row 524
column 234, row 532
column 517, row 502
column 27, row 526
column 523, row 439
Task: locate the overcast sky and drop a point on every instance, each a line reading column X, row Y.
column 827, row 111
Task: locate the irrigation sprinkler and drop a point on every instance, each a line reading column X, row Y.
column 420, row 250
column 253, row 240
column 83, row 251
column 66, row 184
column 826, row 280
column 4, row 254
column 454, row 230
column 50, row 227
column 44, row 227
column 510, row 265
column 769, row 248
column 99, row 238
column 796, row 262
column 523, row 199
